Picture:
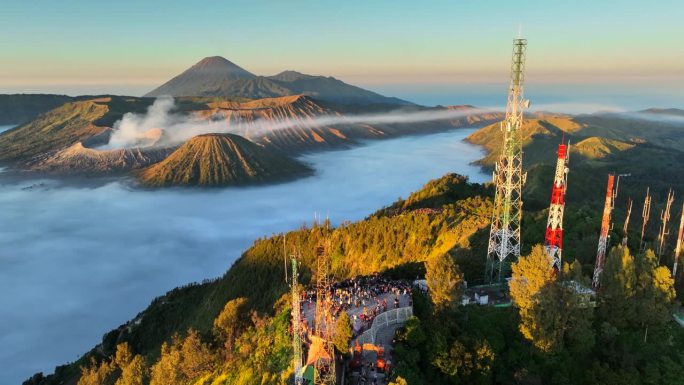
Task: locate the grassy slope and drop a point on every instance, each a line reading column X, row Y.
column 58, row 128
column 22, row 108
column 76, row 121
column 65, row 125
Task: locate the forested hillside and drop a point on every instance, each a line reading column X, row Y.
column 396, row 243
column 234, row 330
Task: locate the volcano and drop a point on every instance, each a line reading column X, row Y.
column 217, row 76
column 221, row 160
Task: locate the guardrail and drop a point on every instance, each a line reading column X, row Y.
column 679, row 318
column 382, row 320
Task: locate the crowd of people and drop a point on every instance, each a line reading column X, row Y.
column 363, row 298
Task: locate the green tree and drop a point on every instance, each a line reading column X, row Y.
column 135, row 372
column 551, row 311
column 654, row 294
column 445, row 282
column 232, row 319
column 531, row 274
column 573, row 272
column 398, row 381
column 197, row 359
column 343, row 333
column 97, row 374
column 167, row 370
column 132, row 368
column 618, row 288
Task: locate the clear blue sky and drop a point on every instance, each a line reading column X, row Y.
column 131, row 46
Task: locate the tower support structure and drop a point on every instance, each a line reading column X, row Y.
column 625, row 228
column 504, row 236
column 603, row 236
column 678, row 248
column 645, row 216
column 324, row 360
column 296, row 326
column 553, row 238
column 664, row 224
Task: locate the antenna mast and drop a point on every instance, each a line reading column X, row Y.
column 626, row 226
column 553, row 239
column 285, row 256
column 603, row 237
column 645, row 216
column 504, row 237
column 665, row 219
column 296, row 326
column 678, row 249
column 324, row 362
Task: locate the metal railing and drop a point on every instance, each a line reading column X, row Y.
column 383, row 320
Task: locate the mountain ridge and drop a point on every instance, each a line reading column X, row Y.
column 217, row 76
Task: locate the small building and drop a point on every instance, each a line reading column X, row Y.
column 587, row 295
column 481, row 298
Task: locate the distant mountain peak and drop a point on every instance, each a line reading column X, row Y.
column 219, row 64
column 217, row 76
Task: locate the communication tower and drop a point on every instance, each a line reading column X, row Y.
column 296, row 326
column 553, row 239
column 665, row 221
column 504, row 236
column 322, row 351
column 603, row 236
column 626, row 226
column 645, row 216
column 678, row 249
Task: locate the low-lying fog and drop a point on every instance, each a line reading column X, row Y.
column 76, row 262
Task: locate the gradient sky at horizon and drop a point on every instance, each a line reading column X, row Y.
column 129, row 47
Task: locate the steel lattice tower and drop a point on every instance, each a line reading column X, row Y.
column 504, row 236
column 678, row 249
column 296, row 327
column 665, row 220
column 645, row 216
column 324, row 372
column 603, row 237
column 625, row 228
column 553, row 239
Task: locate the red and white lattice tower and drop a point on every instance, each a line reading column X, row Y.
column 553, row 239
column 603, row 237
